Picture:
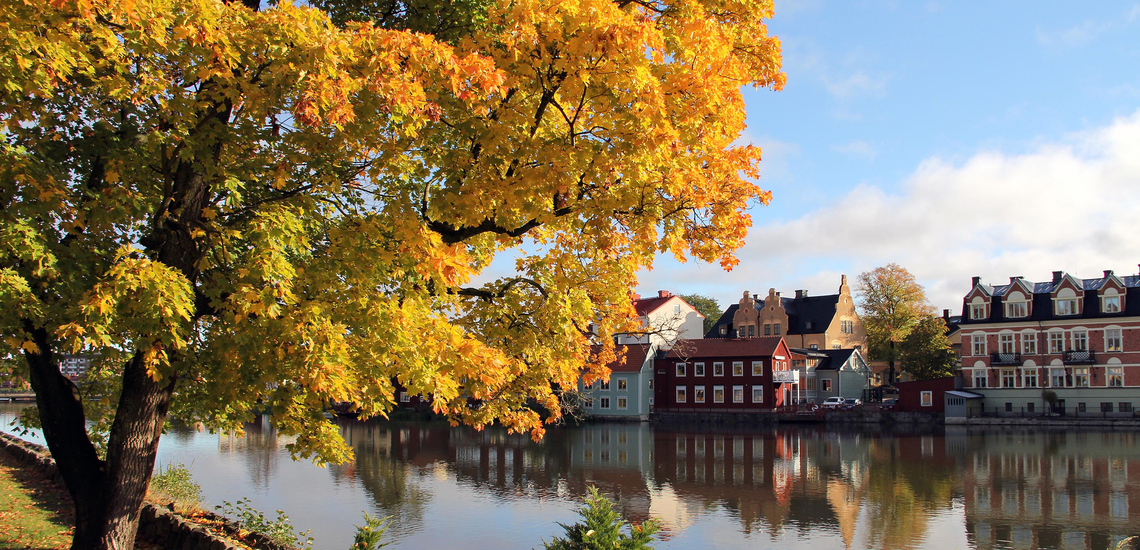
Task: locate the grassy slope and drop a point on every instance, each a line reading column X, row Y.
column 34, row 513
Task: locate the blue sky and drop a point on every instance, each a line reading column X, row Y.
column 955, row 139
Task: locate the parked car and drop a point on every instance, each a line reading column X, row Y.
column 832, row 403
column 890, row 404
column 850, row 403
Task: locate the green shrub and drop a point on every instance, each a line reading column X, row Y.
column 176, row 485
column 602, row 527
column 278, row 530
column 369, row 535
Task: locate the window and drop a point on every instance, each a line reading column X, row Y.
column 977, row 311
column 1066, row 306
column 927, row 399
column 1057, row 378
column 1113, row 340
column 825, row 384
column 751, row 330
column 757, row 368
column 835, row 345
column 1008, row 406
column 1081, row 377
column 1031, row 407
column 1125, row 407
column 1007, row 378
column 405, row 397
column 1106, row 407
column 1116, row 377
column 809, row 383
column 1080, row 340
column 698, row 369
column 847, row 327
column 681, row 394
column 724, row 330
column 1110, row 304
column 718, row 369
column 605, row 402
column 1016, row 309
column 623, row 384
column 813, row 346
column 738, row 394
column 718, row 394
column 680, row 369
column 738, row 368
column 767, row 329
column 1005, row 343
column 605, row 384
column 1081, row 407
column 980, row 378
column 651, row 384
column 979, row 344
column 1029, row 343
column 698, row 394
column 776, row 329
column 1029, row 378
column 676, row 308
column 757, row 394
column 1056, row 342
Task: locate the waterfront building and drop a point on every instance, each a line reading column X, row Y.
column 628, row 393
column 725, row 375
column 829, row 373
column 1079, row 338
column 665, row 319
column 812, row 322
column 74, row 366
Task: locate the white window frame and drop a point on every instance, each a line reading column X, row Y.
column 1113, row 339
column 681, row 394
column 1056, row 341
column 981, row 378
column 622, row 384
column 1016, row 310
column 698, row 394
column 1080, row 377
column 1029, row 343
column 1007, row 343
column 699, row 368
column 757, row 368
column 718, row 368
column 1079, row 339
column 622, row 403
column 605, row 385
column 405, row 397
column 1028, row 375
column 926, row 398
column 1065, row 306
column 604, row 403
column 738, row 394
column 738, row 368
column 1056, row 373
column 676, row 309
column 757, row 394
column 718, row 394
column 1114, row 377
column 1008, row 376
column 978, row 346
column 681, row 369
column 1111, row 301
column 978, row 310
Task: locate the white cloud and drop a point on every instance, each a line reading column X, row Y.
column 855, row 84
column 860, row 149
column 1086, row 32
column 1067, row 205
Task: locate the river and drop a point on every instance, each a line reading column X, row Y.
column 712, row 487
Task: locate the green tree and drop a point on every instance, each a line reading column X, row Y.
column 602, row 528
column 707, row 306
column 926, row 352
column 891, row 303
column 232, row 206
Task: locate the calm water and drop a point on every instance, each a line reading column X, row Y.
column 792, row 487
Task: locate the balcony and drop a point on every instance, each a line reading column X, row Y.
column 1005, row 359
column 1079, row 357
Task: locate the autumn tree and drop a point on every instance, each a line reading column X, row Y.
column 707, row 306
column 229, row 206
column 926, row 352
column 891, row 303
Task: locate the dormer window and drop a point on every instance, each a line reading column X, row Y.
column 1066, row 306
column 977, row 311
column 1016, row 309
column 1110, row 304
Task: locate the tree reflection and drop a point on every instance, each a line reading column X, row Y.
column 389, row 480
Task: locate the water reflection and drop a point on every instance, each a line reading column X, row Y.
column 788, row 487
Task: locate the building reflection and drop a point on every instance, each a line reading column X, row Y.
column 1064, row 490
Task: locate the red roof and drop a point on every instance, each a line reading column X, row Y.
column 634, row 357
column 645, row 306
column 725, row 347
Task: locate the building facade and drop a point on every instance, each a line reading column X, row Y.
column 629, row 391
column 724, row 375
column 813, row 322
column 665, row 319
column 1079, row 338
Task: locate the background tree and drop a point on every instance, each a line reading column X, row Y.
column 926, row 352
column 230, row 206
column 891, row 303
column 707, row 306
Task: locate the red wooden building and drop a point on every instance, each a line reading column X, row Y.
column 925, row 395
column 722, row 375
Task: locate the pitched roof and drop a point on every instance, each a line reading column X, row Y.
column 725, row 347
column 634, row 355
column 645, row 306
column 1042, row 301
column 806, row 315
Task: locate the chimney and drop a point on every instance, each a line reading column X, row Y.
column 664, row 294
column 756, row 297
column 777, row 294
column 633, row 297
column 976, row 281
column 1107, row 273
column 801, row 294
column 1057, row 276
column 946, row 314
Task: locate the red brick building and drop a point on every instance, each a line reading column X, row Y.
column 723, row 375
column 1079, row 338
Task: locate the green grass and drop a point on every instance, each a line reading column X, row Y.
column 34, row 513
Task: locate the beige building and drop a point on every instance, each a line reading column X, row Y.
column 813, row 322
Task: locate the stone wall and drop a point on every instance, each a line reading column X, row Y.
column 157, row 525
